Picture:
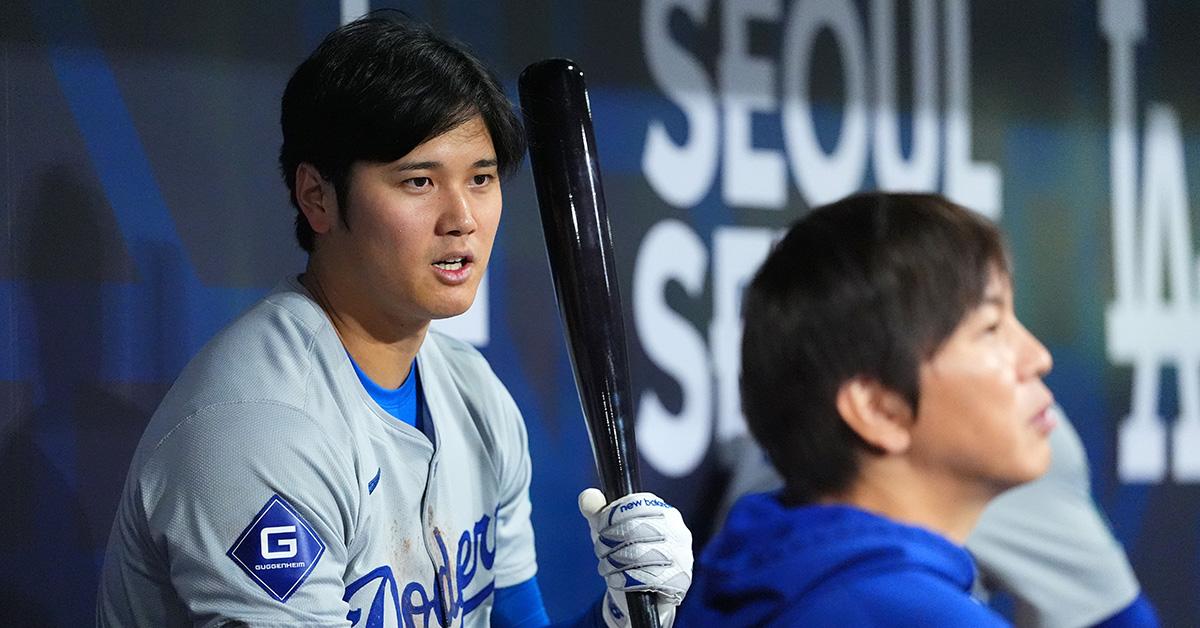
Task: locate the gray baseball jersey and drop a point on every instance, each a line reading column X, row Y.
column 270, row 489
column 1045, row 543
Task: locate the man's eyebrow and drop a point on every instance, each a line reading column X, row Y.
column 436, row 165
column 997, row 300
column 418, row 165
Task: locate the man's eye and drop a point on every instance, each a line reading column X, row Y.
column 482, row 179
column 418, row 182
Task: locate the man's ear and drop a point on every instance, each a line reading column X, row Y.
column 316, row 197
column 878, row 414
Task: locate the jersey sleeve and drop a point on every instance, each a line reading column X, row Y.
column 516, row 558
column 1063, row 566
column 251, row 506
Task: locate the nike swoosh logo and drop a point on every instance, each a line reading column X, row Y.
column 374, row 482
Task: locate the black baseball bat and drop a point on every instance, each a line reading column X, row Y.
column 566, row 174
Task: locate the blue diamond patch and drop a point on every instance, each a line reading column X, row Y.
column 278, row 549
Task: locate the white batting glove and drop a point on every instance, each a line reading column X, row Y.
column 643, row 545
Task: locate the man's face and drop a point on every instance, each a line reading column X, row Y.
column 421, row 228
column 983, row 417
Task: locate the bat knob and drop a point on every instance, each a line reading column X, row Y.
column 553, row 98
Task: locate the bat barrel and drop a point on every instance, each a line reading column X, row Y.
column 566, row 173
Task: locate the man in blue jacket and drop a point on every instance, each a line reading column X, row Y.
column 887, row 377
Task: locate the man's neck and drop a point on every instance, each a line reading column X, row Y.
column 899, row 492
column 384, row 349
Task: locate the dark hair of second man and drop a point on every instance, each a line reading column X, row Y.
column 867, row 286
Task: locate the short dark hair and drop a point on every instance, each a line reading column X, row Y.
column 868, row 286
column 374, row 90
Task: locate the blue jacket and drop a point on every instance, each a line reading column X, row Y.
column 829, row 566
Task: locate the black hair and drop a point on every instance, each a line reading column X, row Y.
column 868, row 286
column 374, row 90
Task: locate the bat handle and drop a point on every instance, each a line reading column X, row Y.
column 643, row 611
column 642, row 607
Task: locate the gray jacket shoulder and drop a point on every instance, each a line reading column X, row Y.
column 272, row 355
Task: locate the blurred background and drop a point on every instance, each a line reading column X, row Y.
column 142, row 210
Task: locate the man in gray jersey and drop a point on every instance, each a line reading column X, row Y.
column 327, row 460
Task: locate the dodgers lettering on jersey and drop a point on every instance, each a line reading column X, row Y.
column 455, row 592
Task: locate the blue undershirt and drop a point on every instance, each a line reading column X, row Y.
column 1139, row 614
column 406, row 403
column 521, row 606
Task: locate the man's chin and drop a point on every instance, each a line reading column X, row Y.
column 1036, row 466
column 450, row 310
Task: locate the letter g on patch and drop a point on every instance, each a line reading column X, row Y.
column 274, row 533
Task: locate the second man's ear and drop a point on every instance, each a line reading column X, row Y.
column 878, row 414
column 316, row 198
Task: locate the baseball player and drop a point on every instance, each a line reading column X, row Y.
column 327, row 460
column 886, row 375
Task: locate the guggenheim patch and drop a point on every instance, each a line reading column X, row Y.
column 278, row 550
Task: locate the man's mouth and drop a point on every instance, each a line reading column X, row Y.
column 453, row 263
column 1046, row 420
